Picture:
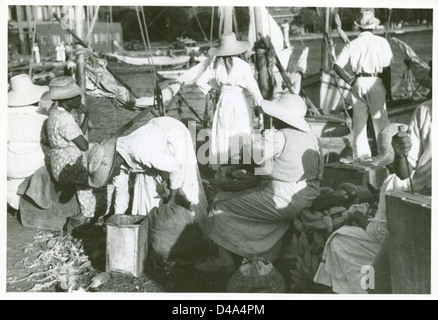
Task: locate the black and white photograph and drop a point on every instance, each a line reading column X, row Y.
column 260, row 150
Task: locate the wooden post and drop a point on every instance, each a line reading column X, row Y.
column 80, row 58
column 33, row 58
column 21, row 35
column 326, row 47
column 29, row 28
column 111, row 29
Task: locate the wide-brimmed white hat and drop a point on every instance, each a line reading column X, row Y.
column 367, row 21
column 24, row 92
column 229, row 46
column 101, row 161
column 289, row 108
column 63, row 88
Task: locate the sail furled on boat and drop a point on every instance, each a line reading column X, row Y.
column 415, row 80
column 101, row 84
column 269, row 28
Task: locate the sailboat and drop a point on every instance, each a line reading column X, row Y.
column 143, row 59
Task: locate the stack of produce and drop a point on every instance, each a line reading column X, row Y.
column 329, row 212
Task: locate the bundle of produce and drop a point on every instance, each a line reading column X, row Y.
column 306, row 248
column 329, row 212
column 56, row 261
column 256, row 276
column 233, row 179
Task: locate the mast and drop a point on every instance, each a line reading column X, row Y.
column 327, row 36
column 80, row 58
column 228, row 19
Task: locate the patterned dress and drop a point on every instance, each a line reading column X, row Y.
column 68, row 162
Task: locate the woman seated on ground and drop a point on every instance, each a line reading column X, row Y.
column 68, row 145
column 352, row 247
column 160, row 152
column 253, row 223
column 25, row 154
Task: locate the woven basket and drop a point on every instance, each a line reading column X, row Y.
column 256, row 276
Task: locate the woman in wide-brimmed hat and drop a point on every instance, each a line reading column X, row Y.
column 252, row 223
column 25, row 122
column 71, row 160
column 161, row 150
column 230, row 76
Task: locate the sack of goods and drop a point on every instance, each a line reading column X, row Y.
column 174, row 233
column 256, row 276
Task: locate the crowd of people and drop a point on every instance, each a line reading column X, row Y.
column 161, row 153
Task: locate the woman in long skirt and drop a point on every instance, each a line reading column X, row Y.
column 229, row 76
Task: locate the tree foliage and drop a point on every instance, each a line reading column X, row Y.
column 169, row 22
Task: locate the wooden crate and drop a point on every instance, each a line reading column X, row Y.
column 127, row 244
column 336, row 174
column 409, row 226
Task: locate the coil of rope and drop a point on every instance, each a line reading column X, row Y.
column 158, row 97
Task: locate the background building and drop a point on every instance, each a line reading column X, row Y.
column 49, row 33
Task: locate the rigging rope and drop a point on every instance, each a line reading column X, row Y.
column 91, row 28
column 199, row 23
column 388, row 23
column 145, row 42
column 212, row 27
column 156, row 18
column 348, row 119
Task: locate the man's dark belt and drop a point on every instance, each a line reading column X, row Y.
column 369, row 75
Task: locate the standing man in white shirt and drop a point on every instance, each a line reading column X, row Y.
column 286, row 28
column 369, row 57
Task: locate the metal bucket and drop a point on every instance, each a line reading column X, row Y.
column 127, row 244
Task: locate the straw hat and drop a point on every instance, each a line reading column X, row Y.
column 63, row 88
column 289, row 108
column 24, row 92
column 229, row 46
column 101, row 161
column 368, row 21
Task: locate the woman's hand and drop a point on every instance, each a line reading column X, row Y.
column 178, row 197
column 83, row 109
column 214, row 94
column 357, row 219
column 401, row 144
